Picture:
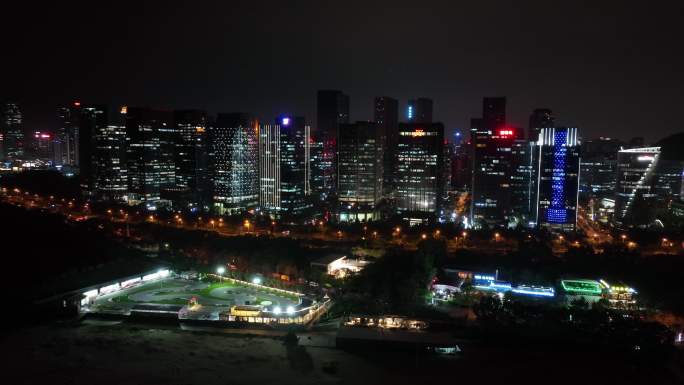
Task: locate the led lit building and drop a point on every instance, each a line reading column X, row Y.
column 493, row 164
column 150, row 155
column 360, row 175
column 419, row 110
column 110, row 163
column 634, row 186
column 332, row 110
column 190, row 156
column 558, row 178
column 233, row 160
column 645, row 181
column 419, row 172
column 386, row 114
column 12, row 131
column 283, row 166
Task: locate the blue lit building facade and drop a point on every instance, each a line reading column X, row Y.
column 558, row 171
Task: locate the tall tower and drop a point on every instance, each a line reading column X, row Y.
column 492, row 144
column 386, row 115
column 12, row 131
column 150, row 154
column 360, row 171
column 283, row 171
column 233, row 159
column 190, row 157
column 332, row 110
column 92, row 119
column 558, row 178
column 420, row 163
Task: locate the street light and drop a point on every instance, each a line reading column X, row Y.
column 424, row 236
column 256, row 281
column 290, row 310
column 220, row 270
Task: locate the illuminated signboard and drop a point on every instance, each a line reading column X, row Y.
column 581, row 286
column 505, row 133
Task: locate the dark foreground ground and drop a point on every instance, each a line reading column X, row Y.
column 124, row 354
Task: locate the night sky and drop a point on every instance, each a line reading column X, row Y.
column 612, row 68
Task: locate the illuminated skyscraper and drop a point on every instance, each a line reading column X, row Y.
column 419, row 110
column 12, row 131
column 190, row 189
column 150, row 155
column 332, row 110
column 283, row 166
column 360, row 170
column 648, row 180
column 419, row 172
column 558, row 178
column 110, row 163
column 492, row 156
column 523, row 183
column 234, row 160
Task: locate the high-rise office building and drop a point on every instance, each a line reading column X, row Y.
column 41, row 146
column 386, row 115
column 283, row 166
column 493, row 164
column 648, row 179
column 419, row 171
column 67, row 136
column 91, row 120
column 598, row 167
column 360, row 168
column 150, row 155
column 419, row 110
column 12, row 131
column 332, row 110
column 233, row 162
column 190, row 189
column 461, row 164
column 110, row 163
column 558, row 178
column 523, row 183
column 540, row 118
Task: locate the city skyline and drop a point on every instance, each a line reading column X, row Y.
column 622, row 42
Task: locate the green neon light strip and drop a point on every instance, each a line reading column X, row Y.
column 588, row 287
